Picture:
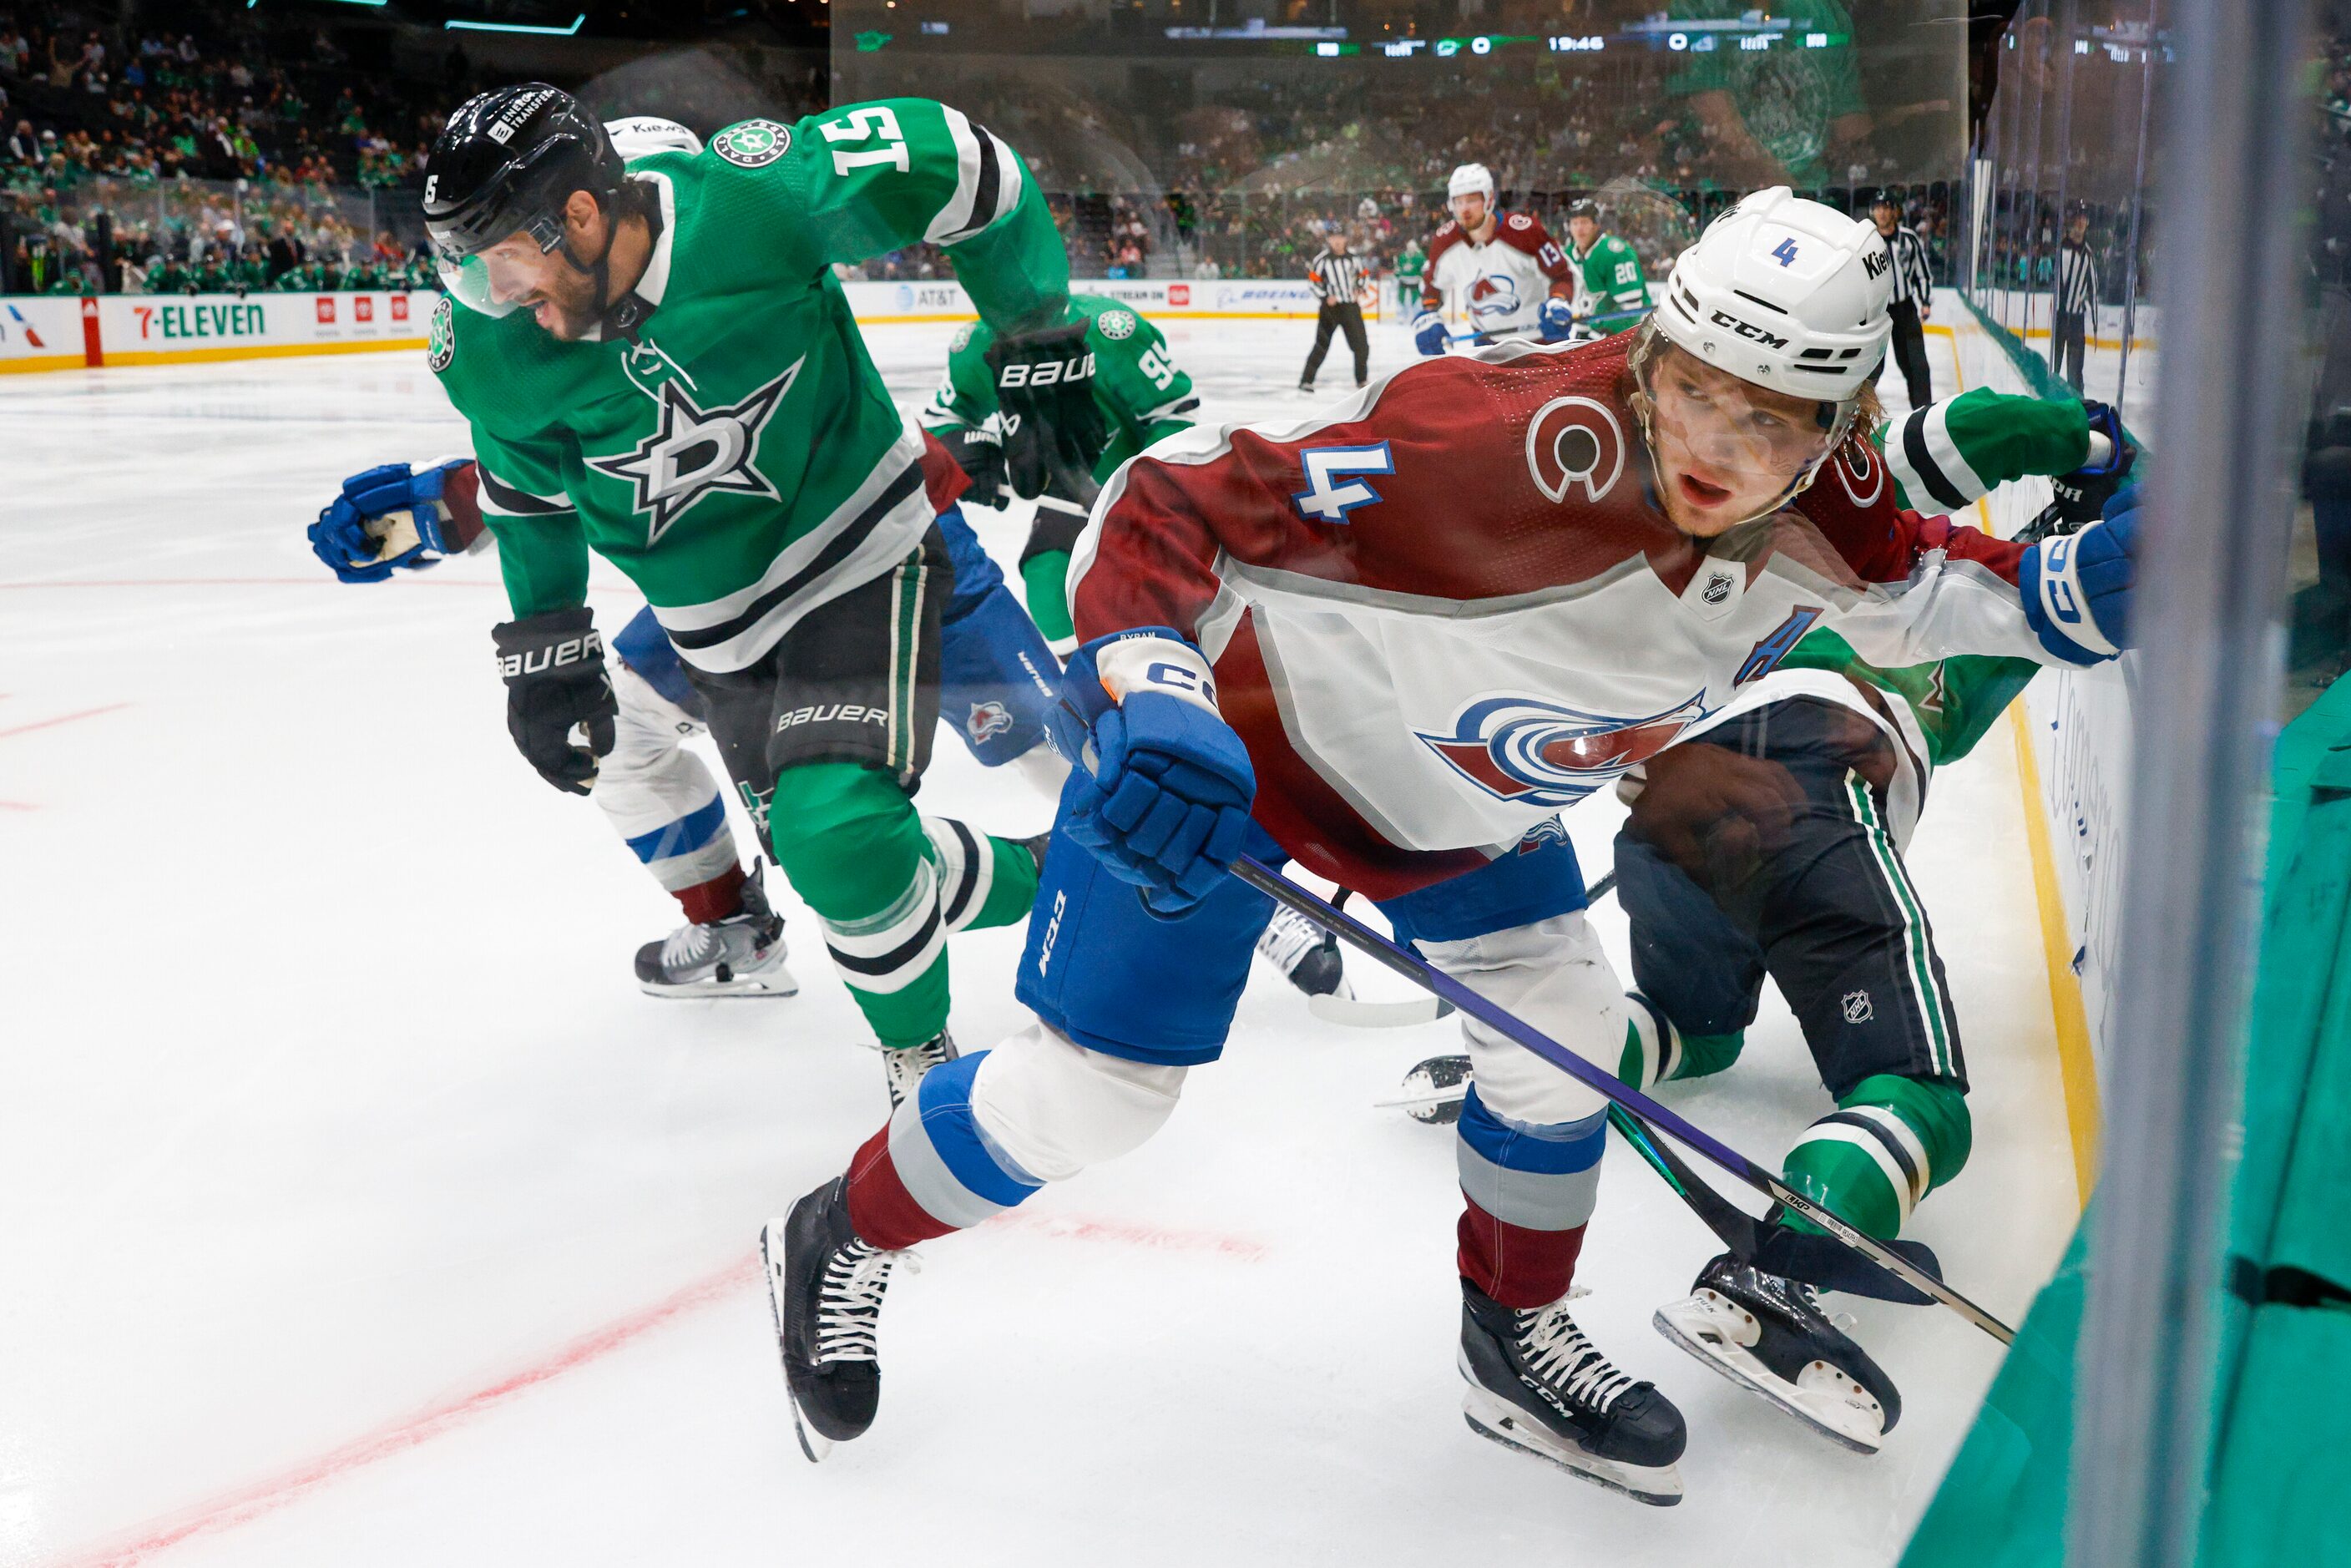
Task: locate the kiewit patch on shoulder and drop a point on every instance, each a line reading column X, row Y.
column 1116, row 324
column 441, row 337
column 753, row 144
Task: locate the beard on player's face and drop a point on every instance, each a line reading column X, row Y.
column 560, row 296
column 1470, row 211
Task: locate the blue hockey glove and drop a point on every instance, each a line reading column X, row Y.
column 393, row 516
column 2077, row 587
column 1555, row 319
column 1428, row 332
column 1164, row 785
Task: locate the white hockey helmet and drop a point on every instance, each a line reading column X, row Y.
column 1786, row 293
column 1472, row 177
column 642, row 133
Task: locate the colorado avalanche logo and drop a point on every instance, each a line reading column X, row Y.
column 1540, row 754
column 1493, row 297
column 987, row 721
column 1576, row 442
column 1858, row 469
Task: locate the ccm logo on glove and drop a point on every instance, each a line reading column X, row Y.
column 571, row 650
column 1146, row 664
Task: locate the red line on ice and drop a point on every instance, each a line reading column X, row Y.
column 61, row 718
column 249, row 1502
column 1159, row 1238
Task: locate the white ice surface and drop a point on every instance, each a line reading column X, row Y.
column 355, row 1210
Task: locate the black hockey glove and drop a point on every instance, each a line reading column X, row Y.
column 1052, row 426
column 553, row 665
column 978, row 451
column 2082, row 496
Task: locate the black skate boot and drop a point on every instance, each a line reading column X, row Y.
column 1305, row 953
column 1434, row 1090
column 825, row 1285
column 904, row 1069
column 1537, row 1386
column 1769, row 1334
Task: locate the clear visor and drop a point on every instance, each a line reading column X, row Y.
column 1731, row 439
column 470, row 279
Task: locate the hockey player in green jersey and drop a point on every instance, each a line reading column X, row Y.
column 1610, row 292
column 1769, row 842
column 1140, row 393
column 658, row 365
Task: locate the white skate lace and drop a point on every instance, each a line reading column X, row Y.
column 684, row 947
column 849, row 1300
column 1288, row 938
column 1555, row 1350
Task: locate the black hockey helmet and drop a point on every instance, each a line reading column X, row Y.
column 505, row 163
column 1584, row 208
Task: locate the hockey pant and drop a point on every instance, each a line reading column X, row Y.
column 1128, row 1003
column 1831, row 916
column 997, row 682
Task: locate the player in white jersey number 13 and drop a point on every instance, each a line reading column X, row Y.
column 1390, row 644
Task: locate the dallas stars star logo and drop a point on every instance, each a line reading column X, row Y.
column 694, row 453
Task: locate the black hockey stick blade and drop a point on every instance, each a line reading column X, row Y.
column 1822, row 1261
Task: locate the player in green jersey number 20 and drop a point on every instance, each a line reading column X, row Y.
column 658, row 365
column 1141, row 396
column 1610, row 292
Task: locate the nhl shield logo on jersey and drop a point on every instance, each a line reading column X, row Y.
column 1536, row 753
column 987, row 721
column 692, row 452
column 754, row 144
column 441, row 337
column 1576, row 442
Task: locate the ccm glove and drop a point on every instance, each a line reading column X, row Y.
column 2077, row 588
column 1052, row 426
column 554, row 669
column 1162, row 788
column 396, row 517
column 1554, row 320
column 1428, row 332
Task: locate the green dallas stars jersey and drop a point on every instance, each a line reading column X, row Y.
column 1942, row 457
column 1136, row 384
column 1608, row 280
column 742, row 461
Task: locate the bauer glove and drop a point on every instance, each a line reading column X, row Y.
column 553, row 665
column 1052, row 426
column 2077, row 588
column 1161, row 785
column 395, row 517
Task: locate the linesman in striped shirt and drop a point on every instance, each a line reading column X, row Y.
column 1914, row 298
column 1340, row 282
column 2077, row 299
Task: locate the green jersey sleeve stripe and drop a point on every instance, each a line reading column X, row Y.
column 1927, row 461
column 987, row 183
column 500, row 499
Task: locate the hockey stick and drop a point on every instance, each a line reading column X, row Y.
column 1058, row 505
column 1355, row 1013
column 1601, row 1081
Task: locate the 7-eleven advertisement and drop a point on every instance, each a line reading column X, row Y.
column 59, row 331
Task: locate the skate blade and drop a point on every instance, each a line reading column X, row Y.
column 1499, row 1421
column 813, row 1443
column 1827, row 1401
column 775, row 982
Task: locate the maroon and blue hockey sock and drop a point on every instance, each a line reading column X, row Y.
column 929, row 1171
column 1528, row 1191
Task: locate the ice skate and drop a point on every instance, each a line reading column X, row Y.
column 1537, row 1386
column 741, row 956
column 1307, row 955
column 1434, row 1091
column 1769, row 1334
column 904, row 1069
column 825, row 1286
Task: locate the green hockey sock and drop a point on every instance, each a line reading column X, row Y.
column 984, row 881
column 854, row 850
column 1656, row 1051
column 1045, row 578
column 1887, row 1144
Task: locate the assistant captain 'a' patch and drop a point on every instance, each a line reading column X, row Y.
column 753, row 144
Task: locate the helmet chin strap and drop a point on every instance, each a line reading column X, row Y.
column 614, row 318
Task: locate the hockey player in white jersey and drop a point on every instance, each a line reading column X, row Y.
column 1389, row 643
column 1506, row 274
